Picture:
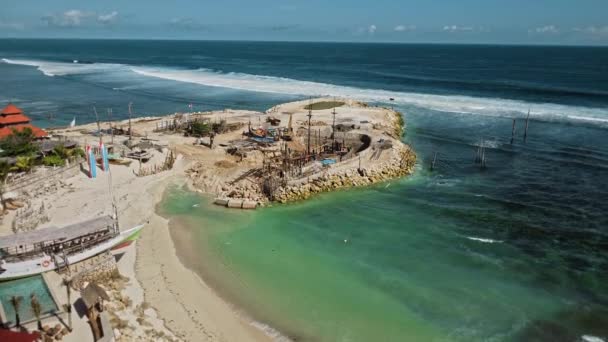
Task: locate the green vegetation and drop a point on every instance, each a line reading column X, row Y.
column 324, row 105
column 78, row 152
column 19, row 143
column 53, row 160
column 400, row 124
column 24, row 164
column 5, row 169
column 200, row 129
column 61, row 152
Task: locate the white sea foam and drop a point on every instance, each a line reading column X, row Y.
column 483, row 240
column 446, row 103
column 269, row 84
column 590, row 338
column 269, row 331
column 62, row 69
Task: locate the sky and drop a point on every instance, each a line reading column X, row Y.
column 569, row 22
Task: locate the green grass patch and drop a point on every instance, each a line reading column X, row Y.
column 324, row 105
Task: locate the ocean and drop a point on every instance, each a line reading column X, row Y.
column 514, row 252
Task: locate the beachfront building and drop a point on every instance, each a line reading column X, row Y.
column 12, row 118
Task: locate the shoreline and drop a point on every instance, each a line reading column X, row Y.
column 161, row 278
column 175, row 290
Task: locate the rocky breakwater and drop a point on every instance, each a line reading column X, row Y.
column 401, row 164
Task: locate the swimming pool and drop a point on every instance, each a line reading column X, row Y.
column 24, row 288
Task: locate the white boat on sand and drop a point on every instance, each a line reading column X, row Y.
column 43, row 250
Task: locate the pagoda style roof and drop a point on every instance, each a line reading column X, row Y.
column 6, row 131
column 13, row 119
column 52, row 234
column 11, row 109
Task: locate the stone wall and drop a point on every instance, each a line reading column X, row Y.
column 401, row 164
column 99, row 269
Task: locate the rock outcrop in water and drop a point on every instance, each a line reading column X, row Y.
column 400, row 165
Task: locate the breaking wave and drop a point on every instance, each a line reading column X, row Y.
column 62, row 69
column 498, row 107
column 483, row 240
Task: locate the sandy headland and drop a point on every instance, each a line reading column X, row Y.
column 351, row 144
column 251, row 159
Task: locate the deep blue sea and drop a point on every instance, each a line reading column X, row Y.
column 515, row 252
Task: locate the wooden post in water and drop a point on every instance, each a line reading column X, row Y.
column 434, row 160
column 513, row 131
column 526, row 130
column 478, row 154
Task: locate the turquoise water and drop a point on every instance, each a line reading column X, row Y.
column 405, row 277
column 24, row 288
column 517, row 251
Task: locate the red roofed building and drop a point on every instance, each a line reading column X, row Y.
column 14, row 336
column 12, row 117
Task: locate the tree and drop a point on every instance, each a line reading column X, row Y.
column 78, row 152
column 36, row 309
column 4, row 171
column 24, row 164
column 16, row 303
column 61, row 152
column 68, row 307
column 20, row 142
column 200, row 129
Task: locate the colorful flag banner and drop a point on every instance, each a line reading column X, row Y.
column 92, row 162
column 105, row 164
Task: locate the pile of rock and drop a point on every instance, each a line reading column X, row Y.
column 55, row 333
column 245, row 191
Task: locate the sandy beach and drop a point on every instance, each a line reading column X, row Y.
column 166, row 300
column 193, row 309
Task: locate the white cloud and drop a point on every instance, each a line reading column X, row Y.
column 594, row 30
column 403, row 28
column 71, row 18
column 108, row 18
column 456, row 28
column 11, row 26
column 372, row 29
column 549, row 29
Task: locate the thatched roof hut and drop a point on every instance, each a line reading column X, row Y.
column 93, row 294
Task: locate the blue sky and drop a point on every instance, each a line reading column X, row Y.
column 452, row 21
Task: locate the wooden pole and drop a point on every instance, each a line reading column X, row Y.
column 433, row 163
column 110, row 122
column 526, row 130
column 130, row 131
column 98, row 125
column 309, row 117
column 333, row 130
column 513, row 131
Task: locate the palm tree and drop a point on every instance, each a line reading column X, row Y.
column 24, row 163
column 4, row 171
column 68, row 307
column 36, row 309
column 16, row 303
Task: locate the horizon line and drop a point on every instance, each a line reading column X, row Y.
column 313, row 41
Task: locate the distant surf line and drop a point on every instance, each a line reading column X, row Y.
column 459, row 104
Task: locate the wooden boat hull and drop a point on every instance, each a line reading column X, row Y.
column 22, row 269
